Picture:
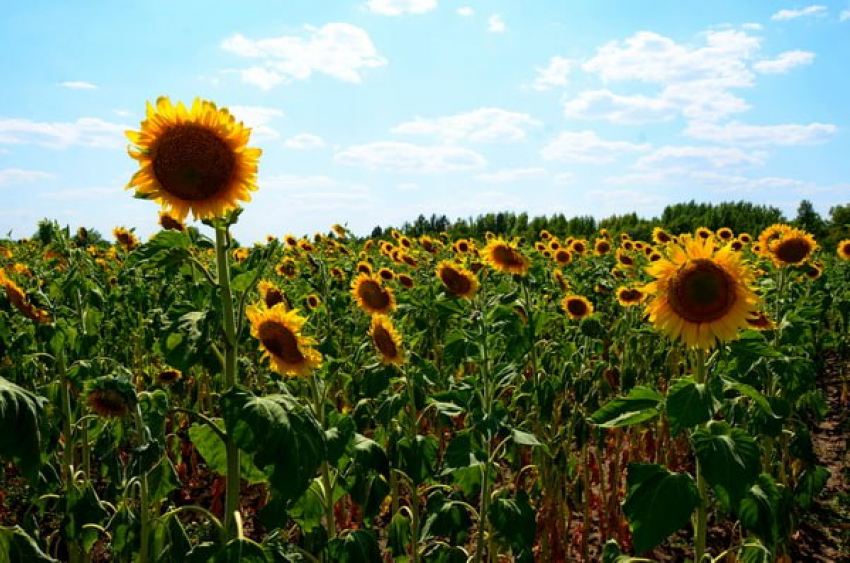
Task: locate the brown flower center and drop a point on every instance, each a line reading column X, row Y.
column 455, row 281
column 384, row 342
column 563, row 257
column 701, row 292
column 507, row 257
column 602, row 246
column 272, row 297
column 577, row 307
column 793, row 250
column 280, row 342
column 192, row 162
column 630, row 295
column 108, row 402
column 373, row 295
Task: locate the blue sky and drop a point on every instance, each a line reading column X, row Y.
column 374, row 111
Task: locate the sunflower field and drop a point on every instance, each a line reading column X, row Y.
column 410, row 399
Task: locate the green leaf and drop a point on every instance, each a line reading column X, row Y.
column 752, row 393
column 730, row 460
column 284, row 437
column 759, row 510
column 514, row 521
column 612, row 553
column 447, row 518
column 243, row 281
column 809, row 485
column 20, row 430
column 688, row 404
column 212, row 449
column 358, row 546
column 640, row 405
column 337, row 438
column 83, row 507
column 418, row 457
column 524, row 438
column 659, row 502
column 308, row 510
column 17, row 545
column 398, row 534
column 369, row 454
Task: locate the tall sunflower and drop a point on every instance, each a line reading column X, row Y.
column 279, row 333
column 505, row 257
column 386, row 340
column 457, row 279
column 577, row 307
column 372, row 296
column 844, row 249
column 700, row 294
column 793, row 247
column 193, row 160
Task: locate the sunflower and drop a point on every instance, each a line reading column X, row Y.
column 457, row 279
column 386, row 274
column 169, row 376
column 660, row 236
column 562, row 281
column 170, row 223
column 461, row 246
column 624, row 259
column 769, row 235
column 193, row 160
column 505, row 257
column 111, row 397
column 18, row 298
column 405, row 242
column 386, row 340
column 312, row 301
column 579, row 246
column 371, row 296
column 814, row 270
column 577, row 307
column 405, row 280
column 630, row 296
column 240, row 254
column 704, row 233
column 737, row 245
column 725, row 234
column 290, row 240
column 287, row 267
column 540, row 247
column 627, row 244
column 364, row 268
column 428, row 244
column 337, row 273
column 544, row 234
column 793, row 247
column 700, row 294
column 563, row 257
column 759, row 321
column 746, row 238
column 272, row 295
column 601, row 247
column 125, row 238
column 554, row 244
column 604, row 233
column 843, row 249
column 279, row 333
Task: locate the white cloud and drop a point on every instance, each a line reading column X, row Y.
column 490, row 125
column 304, row 141
column 465, row 11
column 564, row 178
column 553, row 74
column 754, row 26
column 671, row 157
column 495, row 24
column 512, row 175
column 258, row 118
column 340, row 50
column 78, row 85
column 785, row 62
column 400, row 7
column 407, row 157
column 737, row 133
column 624, row 110
column 86, row 131
column 586, row 146
column 792, row 14
column 844, row 16
column 122, row 112
column 294, row 181
column 19, row 176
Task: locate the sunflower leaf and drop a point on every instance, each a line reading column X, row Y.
column 640, row 405
column 688, row 404
column 20, row 428
column 730, row 460
column 17, row 545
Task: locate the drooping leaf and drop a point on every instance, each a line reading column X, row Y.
column 514, row 522
column 357, row 546
column 730, row 460
column 809, row 485
column 640, row 405
column 658, row 503
column 212, row 449
column 688, row 404
column 17, row 545
column 759, row 510
column 283, row 436
column 20, row 430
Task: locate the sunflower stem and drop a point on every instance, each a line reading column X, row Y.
column 144, row 535
column 231, row 504
column 701, row 524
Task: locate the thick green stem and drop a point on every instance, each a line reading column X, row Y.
column 231, row 504
column 414, row 493
column 327, row 486
column 701, row 523
column 144, row 535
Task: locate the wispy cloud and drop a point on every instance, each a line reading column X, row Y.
column 736, row 133
column 512, row 175
column 258, row 119
column 587, row 146
column 400, row 7
column 785, row 62
column 844, row 16
column 86, row 131
column 18, row 176
column 671, row 157
column 793, row 14
column 465, row 11
column 304, row 141
column 495, row 24
column 491, row 125
column 553, row 74
column 340, row 50
column 78, row 85
column 406, row 157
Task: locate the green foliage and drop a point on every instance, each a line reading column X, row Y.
column 21, row 414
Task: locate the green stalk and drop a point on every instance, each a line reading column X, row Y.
column 318, row 407
column 231, row 504
column 414, row 493
column 144, row 535
column 487, row 405
column 701, row 524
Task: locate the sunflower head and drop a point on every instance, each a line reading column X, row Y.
column 125, row 238
column 279, row 332
column 560, row 279
column 725, row 234
column 758, row 320
column 193, row 160
column 700, row 295
column 579, row 246
column 386, row 339
column 169, row 376
column 843, row 249
column 601, row 247
column 386, row 274
column 462, row 246
column 792, row 248
column 428, row 244
column 312, row 301
column 405, row 280
column 457, row 280
column 287, row 268
column 704, row 233
column 630, row 296
column 770, row 235
column 271, row 294
column 577, row 307
column 240, row 254
column 505, row 257
column 111, row 397
column 660, row 236
column 624, row 259
column 372, row 296
column 562, row 256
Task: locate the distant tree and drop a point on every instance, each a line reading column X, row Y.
column 810, row 220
